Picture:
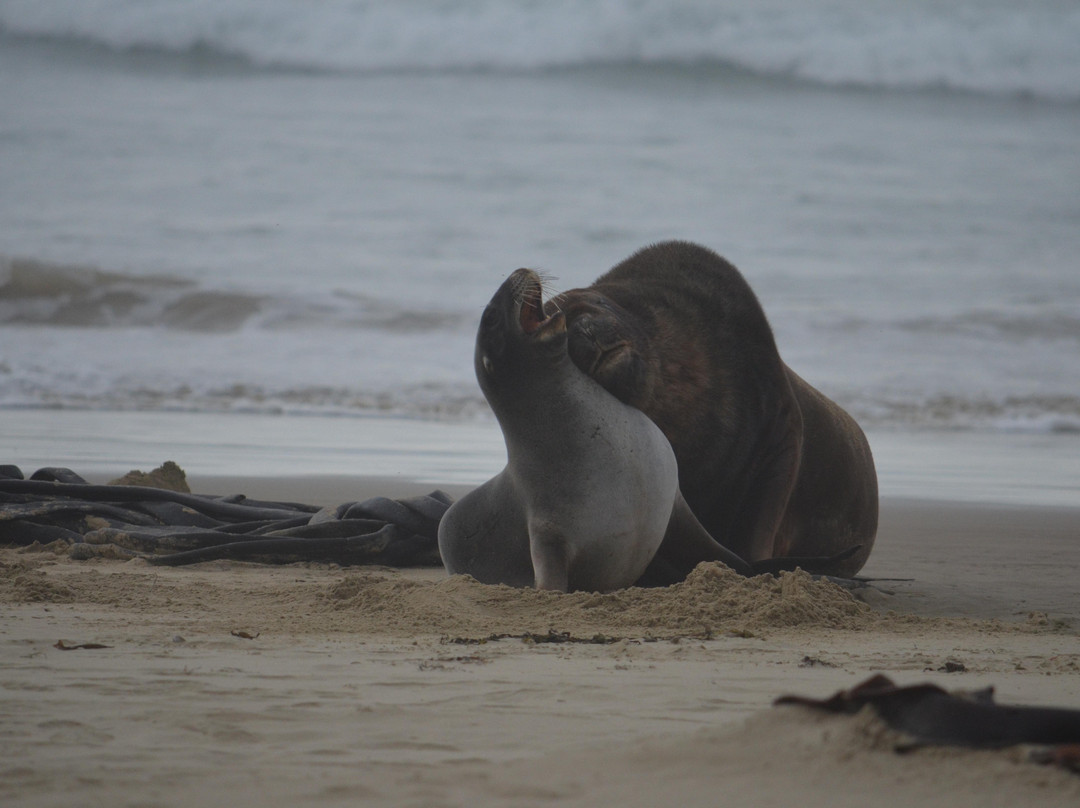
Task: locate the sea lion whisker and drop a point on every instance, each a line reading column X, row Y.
column 523, row 283
column 545, row 279
column 520, row 282
column 551, row 296
column 547, row 283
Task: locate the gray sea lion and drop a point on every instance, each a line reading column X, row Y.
column 590, row 492
column 770, row 466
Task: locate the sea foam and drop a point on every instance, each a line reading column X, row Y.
column 984, row 46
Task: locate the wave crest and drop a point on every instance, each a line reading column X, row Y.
column 969, row 45
column 1040, row 414
column 40, row 293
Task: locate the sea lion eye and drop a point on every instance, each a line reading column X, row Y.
column 489, row 368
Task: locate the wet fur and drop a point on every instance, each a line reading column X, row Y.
column 769, row 465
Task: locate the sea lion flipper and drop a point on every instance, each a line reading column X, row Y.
column 550, row 559
column 815, row 565
column 686, row 544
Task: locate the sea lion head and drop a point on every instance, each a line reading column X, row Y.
column 606, row 342
column 517, row 340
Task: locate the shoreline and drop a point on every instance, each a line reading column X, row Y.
column 1036, row 468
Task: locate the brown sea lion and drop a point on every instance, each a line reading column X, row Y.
column 770, row 466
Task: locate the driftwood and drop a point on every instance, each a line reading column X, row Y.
column 928, row 715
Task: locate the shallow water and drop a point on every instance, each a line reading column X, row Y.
column 299, row 211
column 1018, row 468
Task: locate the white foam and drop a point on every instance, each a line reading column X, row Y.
column 884, row 374
column 971, row 45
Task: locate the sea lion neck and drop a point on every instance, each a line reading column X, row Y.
column 547, row 385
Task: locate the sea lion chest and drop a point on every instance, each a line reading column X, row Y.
column 587, row 491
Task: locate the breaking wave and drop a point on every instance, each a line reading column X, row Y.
column 86, row 338
column 39, row 293
column 986, row 46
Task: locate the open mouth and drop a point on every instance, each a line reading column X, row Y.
column 532, row 308
column 531, row 315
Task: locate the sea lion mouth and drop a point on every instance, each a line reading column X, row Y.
column 531, row 311
column 531, row 315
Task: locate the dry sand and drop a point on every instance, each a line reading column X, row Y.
column 234, row 684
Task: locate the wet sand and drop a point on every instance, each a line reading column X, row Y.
column 233, row 683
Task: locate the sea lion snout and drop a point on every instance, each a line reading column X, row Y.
column 601, row 346
column 535, row 320
column 516, row 332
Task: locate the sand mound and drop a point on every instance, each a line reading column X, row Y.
column 712, row 600
column 311, row 598
column 168, row 476
column 20, row 583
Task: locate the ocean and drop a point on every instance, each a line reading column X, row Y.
column 256, row 236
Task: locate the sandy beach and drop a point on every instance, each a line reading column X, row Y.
column 233, row 683
column 258, row 238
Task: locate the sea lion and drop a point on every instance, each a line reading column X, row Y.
column 770, row 466
column 590, row 491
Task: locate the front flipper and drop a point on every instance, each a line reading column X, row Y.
column 550, row 559
column 686, row 544
column 815, row 565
